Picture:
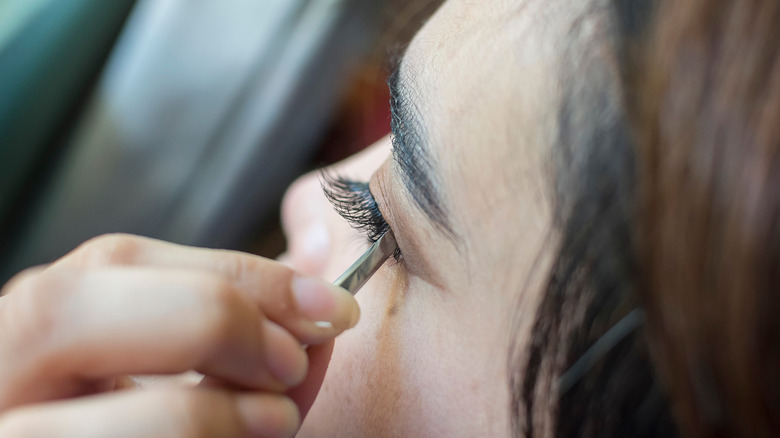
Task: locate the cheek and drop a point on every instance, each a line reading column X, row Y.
column 401, row 371
column 365, row 389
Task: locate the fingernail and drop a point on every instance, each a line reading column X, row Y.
column 268, row 415
column 326, row 305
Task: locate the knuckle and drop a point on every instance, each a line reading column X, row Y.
column 19, row 281
column 258, row 276
column 222, row 306
column 34, row 310
column 234, row 265
column 108, row 249
column 28, row 282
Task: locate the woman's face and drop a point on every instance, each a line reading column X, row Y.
column 429, row 356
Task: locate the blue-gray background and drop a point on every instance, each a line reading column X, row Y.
column 183, row 120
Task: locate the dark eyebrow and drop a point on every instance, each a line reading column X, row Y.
column 413, row 158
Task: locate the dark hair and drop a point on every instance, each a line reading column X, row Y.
column 668, row 201
column 593, row 282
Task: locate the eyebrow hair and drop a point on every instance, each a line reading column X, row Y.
column 416, row 164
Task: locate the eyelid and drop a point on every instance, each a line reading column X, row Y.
column 416, row 240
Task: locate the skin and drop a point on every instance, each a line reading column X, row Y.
column 226, row 330
column 76, row 334
column 429, row 357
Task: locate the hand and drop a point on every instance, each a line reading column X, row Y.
column 72, row 334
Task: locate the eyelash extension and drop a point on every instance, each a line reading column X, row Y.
column 354, row 202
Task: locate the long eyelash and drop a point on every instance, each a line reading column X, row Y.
column 353, row 201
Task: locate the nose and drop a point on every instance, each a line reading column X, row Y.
column 305, row 213
column 313, row 228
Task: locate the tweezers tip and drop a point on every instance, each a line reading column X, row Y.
column 366, row 266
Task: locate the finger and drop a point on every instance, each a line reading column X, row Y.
column 304, row 394
column 312, row 310
column 14, row 281
column 67, row 325
column 159, row 413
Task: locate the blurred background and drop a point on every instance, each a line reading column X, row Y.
column 183, row 120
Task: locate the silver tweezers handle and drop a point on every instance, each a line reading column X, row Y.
column 358, row 274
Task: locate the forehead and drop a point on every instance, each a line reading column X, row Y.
column 483, row 75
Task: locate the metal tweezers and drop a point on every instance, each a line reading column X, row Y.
column 358, row 274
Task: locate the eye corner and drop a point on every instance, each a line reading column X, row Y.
column 398, row 257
